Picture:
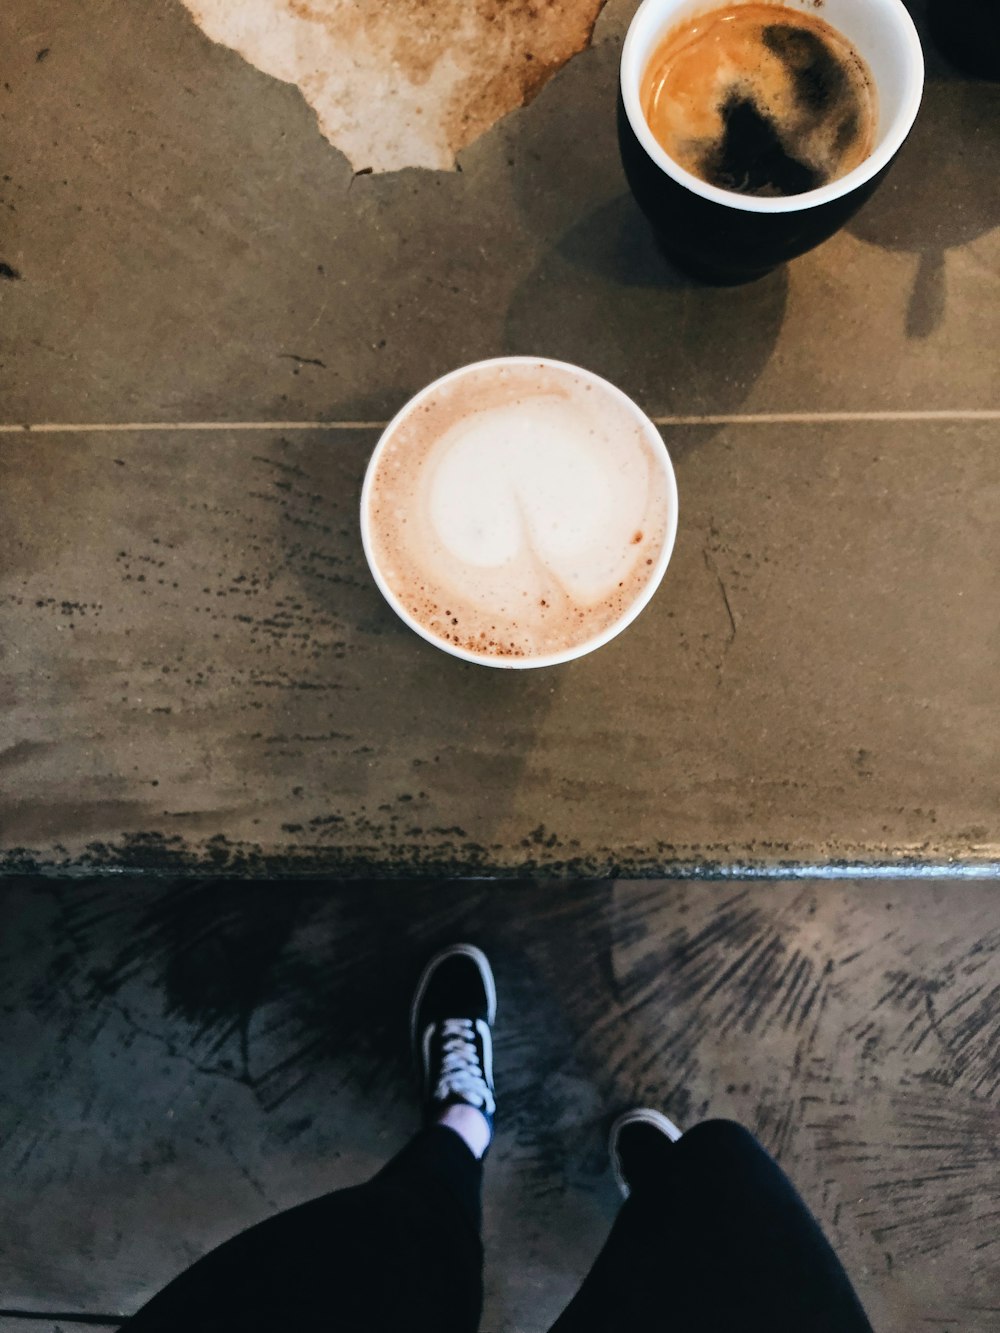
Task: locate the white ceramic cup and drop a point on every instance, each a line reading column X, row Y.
column 659, row 453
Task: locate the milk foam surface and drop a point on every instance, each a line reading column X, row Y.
column 519, row 511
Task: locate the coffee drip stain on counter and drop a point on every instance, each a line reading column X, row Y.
column 406, row 84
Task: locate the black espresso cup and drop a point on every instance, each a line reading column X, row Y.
column 968, row 33
column 722, row 236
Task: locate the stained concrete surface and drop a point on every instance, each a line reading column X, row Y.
column 183, row 231
column 181, row 1060
column 197, row 669
column 196, row 650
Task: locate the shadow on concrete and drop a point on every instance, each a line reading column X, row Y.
column 605, row 297
column 941, row 191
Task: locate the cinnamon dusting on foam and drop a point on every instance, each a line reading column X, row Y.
column 517, row 511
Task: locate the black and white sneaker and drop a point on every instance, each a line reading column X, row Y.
column 454, row 1006
column 638, row 1143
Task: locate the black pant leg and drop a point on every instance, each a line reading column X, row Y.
column 400, row 1252
column 439, row 1165
column 720, row 1242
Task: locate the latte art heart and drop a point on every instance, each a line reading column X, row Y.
column 519, row 511
column 539, row 484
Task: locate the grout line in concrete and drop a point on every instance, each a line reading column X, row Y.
column 822, row 418
column 717, row 419
column 121, row 427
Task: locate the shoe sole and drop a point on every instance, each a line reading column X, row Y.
column 640, row 1115
column 485, row 971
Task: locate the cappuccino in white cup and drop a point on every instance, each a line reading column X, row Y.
column 519, row 512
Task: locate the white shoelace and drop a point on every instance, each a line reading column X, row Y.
column 462, row 1075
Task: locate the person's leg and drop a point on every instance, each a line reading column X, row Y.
column 402, row 1250
column 712, row 1238
column 360, row 1259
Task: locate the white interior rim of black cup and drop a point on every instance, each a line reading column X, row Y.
column 660, row 17
column 598, row 640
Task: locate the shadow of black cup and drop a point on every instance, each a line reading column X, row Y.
column 942, row 195
column 724, row 237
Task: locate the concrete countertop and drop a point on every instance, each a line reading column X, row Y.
column 197, row 671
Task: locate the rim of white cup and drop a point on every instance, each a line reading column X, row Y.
column 631, row 72
column 649, row 587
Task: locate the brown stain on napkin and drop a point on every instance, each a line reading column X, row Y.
column 404, row 82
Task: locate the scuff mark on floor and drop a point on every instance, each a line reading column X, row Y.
column 408, row 83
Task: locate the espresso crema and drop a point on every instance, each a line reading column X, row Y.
column 762, row 99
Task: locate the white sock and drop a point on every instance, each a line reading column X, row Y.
column 469, row 1124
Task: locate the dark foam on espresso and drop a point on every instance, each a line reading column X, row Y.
column 518, row 511
column 762, row 99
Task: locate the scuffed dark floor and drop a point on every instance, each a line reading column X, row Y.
column 179, row 1060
